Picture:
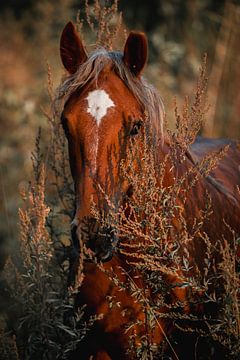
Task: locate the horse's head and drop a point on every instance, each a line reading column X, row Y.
column 104, row 96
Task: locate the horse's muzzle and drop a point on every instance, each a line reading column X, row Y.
column 102, row 241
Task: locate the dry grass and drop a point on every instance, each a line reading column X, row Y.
column 154, row 239
column 45, row 325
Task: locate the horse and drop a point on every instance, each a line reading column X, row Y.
column 104, row 93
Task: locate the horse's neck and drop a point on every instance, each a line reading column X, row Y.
column 188, row 183
column 175, row 168
column 198, row 192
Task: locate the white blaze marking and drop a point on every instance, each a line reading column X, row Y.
column 98, row 104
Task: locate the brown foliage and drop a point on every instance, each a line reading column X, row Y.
column 48, row 327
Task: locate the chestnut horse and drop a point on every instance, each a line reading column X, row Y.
column 104, row 93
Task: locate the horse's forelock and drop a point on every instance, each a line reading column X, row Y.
column 145, row 93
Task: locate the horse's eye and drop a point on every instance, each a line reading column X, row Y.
column 136, row 127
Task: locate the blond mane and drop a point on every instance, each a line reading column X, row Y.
column 89, row 71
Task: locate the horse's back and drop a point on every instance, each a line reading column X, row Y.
column 204, row 146
column 226, row 174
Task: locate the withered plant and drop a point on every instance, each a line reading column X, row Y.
column 153, row 238
column 39, row 296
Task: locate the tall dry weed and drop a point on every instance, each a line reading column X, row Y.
column 153, row 238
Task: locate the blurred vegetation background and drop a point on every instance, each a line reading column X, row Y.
column 179, row 33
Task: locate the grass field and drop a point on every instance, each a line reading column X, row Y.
column 38, row 318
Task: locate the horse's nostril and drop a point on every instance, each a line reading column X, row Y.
column 129, row 191
column 100, row 239
column 105, row 244
column 105, row 257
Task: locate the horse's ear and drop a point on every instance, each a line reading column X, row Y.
column 136, row 52
column 72, row 50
